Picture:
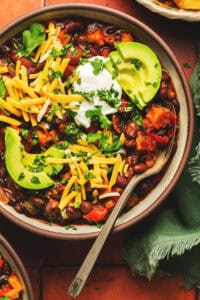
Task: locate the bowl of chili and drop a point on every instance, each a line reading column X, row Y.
column 89, row 98
column 14, row 280
column 174, row 9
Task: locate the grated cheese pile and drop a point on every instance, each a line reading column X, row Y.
column 29, row 96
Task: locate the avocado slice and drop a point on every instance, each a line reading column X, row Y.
column 19, row 172
column 120, row 63
column 35, row 161
column 139, row 71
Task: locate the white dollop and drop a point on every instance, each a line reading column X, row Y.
column 89, row 82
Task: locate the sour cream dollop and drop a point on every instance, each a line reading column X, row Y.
column 88, row 82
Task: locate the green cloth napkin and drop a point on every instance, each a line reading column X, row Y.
column 169, row 240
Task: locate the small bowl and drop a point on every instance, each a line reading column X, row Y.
column 10, row 255
column 186, row 124
column 171, row 12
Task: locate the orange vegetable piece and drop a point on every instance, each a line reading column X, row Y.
column 159, row 117
column 144, row 143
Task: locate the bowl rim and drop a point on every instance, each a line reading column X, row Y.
column 20, row 266
column 190, row 130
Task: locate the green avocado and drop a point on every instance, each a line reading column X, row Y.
column 24, row 168
column 36, row 161
column 138, row 71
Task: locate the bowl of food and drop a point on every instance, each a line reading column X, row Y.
column 89, row 98
column 14, row 280
column 187, row 10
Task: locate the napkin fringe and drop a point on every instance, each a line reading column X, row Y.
column 174, row 248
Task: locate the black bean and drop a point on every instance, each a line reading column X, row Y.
column 131, row 129
column 86, row 207
column 72, row 212
column 121, row 181
column 140, row 168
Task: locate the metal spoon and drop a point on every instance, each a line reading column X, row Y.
column 81, row 277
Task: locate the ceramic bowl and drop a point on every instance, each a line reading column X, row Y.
column 171, row 12
column 10, row 255
column 184, row 139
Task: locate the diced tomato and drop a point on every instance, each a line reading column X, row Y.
column 24, row 61
column 124, row 104
column 144, row 143
column 69, row 70
column 126, row 37
column 64, row 37
column 97, row 214
column 159, row 117
column 5, row 290
column 104, row 51
column 45, row 137
column 161, row 140
column 96, row 36
column 109, row 39
column 14, row 282
column 74, row 55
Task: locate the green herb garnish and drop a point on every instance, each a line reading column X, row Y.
column 31, row 39
column 67, row 227
column 97, row 115
column 97, row 65
column 35, row 180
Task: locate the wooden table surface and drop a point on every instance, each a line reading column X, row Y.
column 52, row 264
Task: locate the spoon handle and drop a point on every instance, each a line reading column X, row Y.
column 89, row 261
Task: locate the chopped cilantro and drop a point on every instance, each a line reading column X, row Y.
column 22, row 147
column 79, row 81
column 56, row 91
column 134, row 100
column 21, row 176
column 55, row 74
column 97, row 65
column 155, row 84
column 99, row 225
column 89, row 175
column 63, row 51
column 34, row 142
column 50, row 219
column 64, row 181
column 83, row 61
column 35, row 180
column 114, row 73
column 138, row 119
column 85, row 52
column 76, row 204
column 71, row 113
column 103, row 141
column 72, row 133
column 61, row 146
column 37, row 169
column 67, row 227
column 24, row 133
column 40, row 160
column 110, row 96
column 137, row 63
column 97, row 115
column 31, row 39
